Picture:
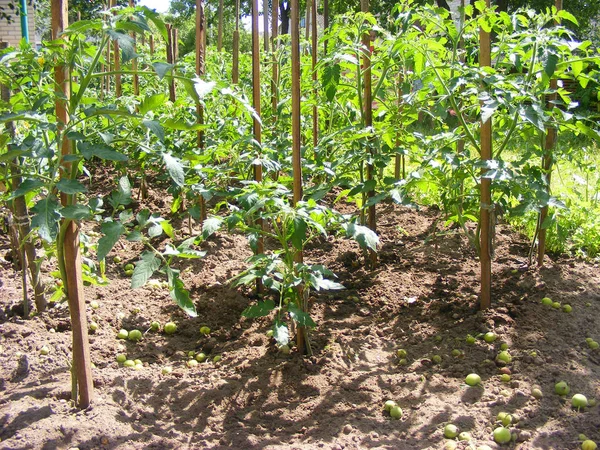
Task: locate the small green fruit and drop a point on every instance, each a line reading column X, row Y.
column 402, row 362
column 155, row 326
column 504, row 346
column 593, row 345
column 121, row 358
column 395, row 412
column 216, row 359
column 588, row 304
column 200, row 357
column 191, row 353
column 456, row 353
column 170, row 328
column 547, row 301
column 592, row 402
column 464, row 436
column 135, row 335
column 205, row 331
column 129, row 273
column 138, row 367
column 94, row 304
column 451, row 431
column 582, row 437
column 537, row 393
column 473, row 379
column 93, row 326
column 437, row 359
column 505, row 378
column 138, row 362
column 562, row 388
column 502, row 435
column 270, row 333
column 401, row 353
column 579, row 401
column 166, row 370
column 556, row 305
column 567, row 308
column 489, row 337
column 44, row 350
column 389, row 404
column 285, row 349
column 191, row 363
column 129, row 363
column 504, row 357
column 117, row 259
column 438, row 338
column 507, row 420
column 128, row 266
column 471, row 339
column 588, row 445
column 122, row 334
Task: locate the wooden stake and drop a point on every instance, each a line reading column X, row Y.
column 266, row 25
column 314, row 74
column 235, row 69
column 307, row 20
column 72, row 257
column 117, row 56
column 326, row 20
column 220, row 29
column 485, row 255
column 274, row 45
column 134, row 61
column 549, row 144
column 175, row 45
column 170, row 60
column 200, row 68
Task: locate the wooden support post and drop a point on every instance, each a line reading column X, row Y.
column 200, row 70
column 175, row 45
column 307, row 20
column 170, row 60
column 220, row 28
column 151, row 44
column 266, row 25
column 134, row 61
column 235, row 69
column 72, row 257
column 485, row 255
column 274, row 45
column 257, row 168
column 117, row 65
column 400, row 158
column 315, row 52
column 549, row 143
column 326, row 20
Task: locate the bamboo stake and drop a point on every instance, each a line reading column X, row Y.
column 266, row 25
column 302, row 341
column 307, row 20
column 72, row 256
column 200, row 64
column 134, row 61
column 117, row 56
column 274, row 45
column 170, row 60
column 314, row 74
column 235, row 70
column 326, row 20
column 399, row 163
column 151, row 44
column 220, row 29
column 549, row 144
column 175, row 45
column 485, row 255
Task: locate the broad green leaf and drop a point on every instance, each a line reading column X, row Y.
column 154, row 17
column 329, row 285
column 112, row 232
column 300, row 317
column 330, row 80
column 152, row 102
column 162, row 69
column 46, row 218
column 101, row 151
column 126, row 45
column 299, row 233
column 180, row 294
column 550, row 65
column 281, row 333
column 182, row 125
column 167, row 228
column 365, row 237
column 76, row 212
column 568, row 16
column 155, row 230
column 261, row 309
column 156, row 128
column 210, row 226
column 144, row 269
column 28, row 185
column 175, row 169
column 70, row 186
column 203, row 88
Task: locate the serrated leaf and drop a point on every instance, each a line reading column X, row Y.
column 155, row 230
column 101, row 151
column 182, row 125
column 299, row 233
column 550, row 65
column 76, row 212
column 25, row 187
column 155, row 127
column 126, row 45
column 70, row 186
column 167, row 228
column 46, row 218
column 365, row 237
column 210, row 226
column 162, row 69
column 144, row 269
column 261, row 309
column 134, row 236
column 281, row 333
column 300, row 317
column 152, row 102
column 330, row 80
column 203, row 88
column 175, row 169
column 180, row 294
column 112, row 232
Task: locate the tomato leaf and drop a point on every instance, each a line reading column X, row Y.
column 46, row 218
column 281, row 333
column 175, row 169
column 302, row 318
column 112, row 232
column 261, row 309
column 180, row 294
column 144, row 269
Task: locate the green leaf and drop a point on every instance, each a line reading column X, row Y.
column 330, row 80
column 28, row 185
column 76, row 212
column 300, row 317
column 180, row 294
column 210, row 226
column 175, row 169
column 299, row 232
column 329, row 285
column 167, row 228
column 101, row 151
column 70, row 186
column 46, row 218
column 144, row 269
column 281, row 333
column 152, row 102
column 365, row 237
column 126, row 45
column 112, row 232
column 156, row 128
column 162, row 69
column 203, row 88
column 261, row 309
column 567, row 16
column 182, row 125
column 550, row 65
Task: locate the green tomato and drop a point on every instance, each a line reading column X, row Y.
column 507, row 420
column 588, row 445
column 395, row 412
column 122, row 334
column 473, row 379
column 504, row 346
column 135, row 335
column 216, row 359
column 537, row 393
column 155, row 326
column 451, row 431
column 270, row 333
column 128, row 266
column 401, row 353
column 438, row 338
column 138, row 362
column 170, row 328
column 562, row 388
column 489, row 337
column 471, row 339
column 44, row 350
column 556, row 305
column 567, row 308
column 93, row 326
column 285, row 349
column 205, row 331
column 592, row 402
column 94, row 304
column 121, row 358
column 593, row 345
column 464, row 436
column 166, row 370
column 582, row 437
column 192, row 363
column 117, row 259
column 547, row 301
column 200, row 357
column 437, row 359
column 402, row 362
column 129, row 363
column 579, row 401
column 504, row 357
column 129, row 273
column 502, row 435
column 456, row 353
column 505, row 378
column 588, row 304
column 388, row 405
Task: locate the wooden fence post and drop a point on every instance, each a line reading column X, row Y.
column 170, row 60
column 82, row 371
column 235, row 69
